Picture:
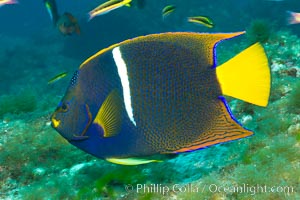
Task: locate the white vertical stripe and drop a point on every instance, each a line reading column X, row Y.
column 122, row 71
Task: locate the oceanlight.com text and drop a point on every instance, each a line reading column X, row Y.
column 251, row 189
column 211, row 188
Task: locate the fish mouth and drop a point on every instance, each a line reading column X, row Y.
column 54, row 122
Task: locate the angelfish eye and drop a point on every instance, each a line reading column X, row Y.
column 64, row 107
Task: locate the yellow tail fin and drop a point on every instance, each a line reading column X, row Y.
column 247, row 76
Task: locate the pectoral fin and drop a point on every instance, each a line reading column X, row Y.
column 109, row 116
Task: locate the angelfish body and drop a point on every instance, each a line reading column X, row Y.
column 159, row 94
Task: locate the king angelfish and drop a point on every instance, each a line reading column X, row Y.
column 159, row 94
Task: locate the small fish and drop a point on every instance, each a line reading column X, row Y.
column 158, row 95
column 52, row 10
column 206, row 21
column 67, row 24
column 168, row 10
column 57, row 77
column 108, row 6
column 5, row 2
column 293, row 17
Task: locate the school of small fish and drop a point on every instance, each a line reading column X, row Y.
column 67, row 23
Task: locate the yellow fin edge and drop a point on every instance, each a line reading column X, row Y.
column 130, row 161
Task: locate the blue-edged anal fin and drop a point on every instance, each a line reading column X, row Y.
column 109, row 116
column 225, row 128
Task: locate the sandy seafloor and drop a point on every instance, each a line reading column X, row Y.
column 37, row 163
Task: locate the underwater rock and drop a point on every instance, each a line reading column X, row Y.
column 275, row 67
column 292, row 72
column 246, row 119
column 37, row 172
column 76, row 168
column 294, row 129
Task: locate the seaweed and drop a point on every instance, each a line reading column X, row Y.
column 258, row 31
column 23, row 102
column 294, row 103
column 108, row 183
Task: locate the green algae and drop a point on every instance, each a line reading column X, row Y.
column 112, row 181
column 258, row 31
column 261, row 167
column 294, row 100
column 23, row 102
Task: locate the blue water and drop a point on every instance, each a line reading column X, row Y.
column 30, row 18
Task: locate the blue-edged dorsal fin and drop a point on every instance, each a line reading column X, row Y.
column 109, row 116
column 204, row 44
column 130, row 161
column 201, row 44
column 224, row 129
